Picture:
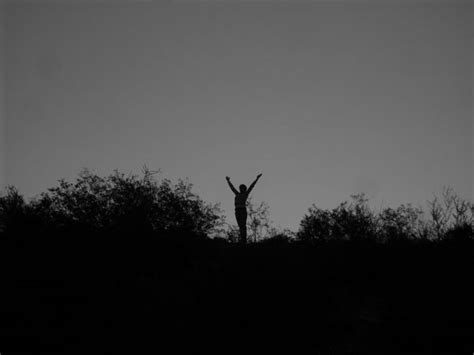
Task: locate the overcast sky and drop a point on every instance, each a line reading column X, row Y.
column 326, row 99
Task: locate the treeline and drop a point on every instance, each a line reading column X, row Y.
column 129, row 203
column 447, row 219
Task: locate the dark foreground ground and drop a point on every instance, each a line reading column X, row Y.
column 140, row 295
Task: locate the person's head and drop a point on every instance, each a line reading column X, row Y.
column 242, row 188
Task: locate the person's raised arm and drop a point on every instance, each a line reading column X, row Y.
column 253, row 183
column 231, row 186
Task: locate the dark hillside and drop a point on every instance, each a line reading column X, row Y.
column 121, row 264
column 201, row 295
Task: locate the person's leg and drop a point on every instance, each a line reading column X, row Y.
column 241, row 216
column 244, row 225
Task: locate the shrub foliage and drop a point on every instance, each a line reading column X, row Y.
column 117, row 202
column 449, row 218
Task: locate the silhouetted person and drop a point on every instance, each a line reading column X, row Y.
column 240, row 206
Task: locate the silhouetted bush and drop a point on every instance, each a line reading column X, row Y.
column 278, row 239
column 450, row 219
column 352, row 221
column 400, row 225
column 460, row 234
column 13, row 210
column 116, row 203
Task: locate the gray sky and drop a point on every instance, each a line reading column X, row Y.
column 325, row 99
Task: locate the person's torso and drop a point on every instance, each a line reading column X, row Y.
column 240, row 200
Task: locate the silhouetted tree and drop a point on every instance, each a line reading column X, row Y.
column 12, row 209
column 117, row 202
column 402, row 223
column 452, row 217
